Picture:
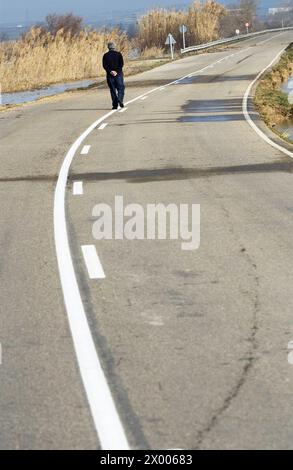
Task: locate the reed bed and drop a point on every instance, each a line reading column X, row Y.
column 40, row 59
column 202, row 21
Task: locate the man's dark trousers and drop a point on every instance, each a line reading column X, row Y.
column 117, row 88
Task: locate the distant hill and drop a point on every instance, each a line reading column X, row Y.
column 264, row 5
column 124, row 18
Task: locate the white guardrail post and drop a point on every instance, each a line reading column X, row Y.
column 232, row 39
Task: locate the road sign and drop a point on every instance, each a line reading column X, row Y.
column 247, row 26
column 183, row 31
column 237, row 32
column 171, row 41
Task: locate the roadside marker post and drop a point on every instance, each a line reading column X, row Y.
column 183, row 31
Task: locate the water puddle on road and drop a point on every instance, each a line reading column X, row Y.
column 21, row 97
column 212, row 118
column 217, row 110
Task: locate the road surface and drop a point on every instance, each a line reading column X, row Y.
column 170, row 349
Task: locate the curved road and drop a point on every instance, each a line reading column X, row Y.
column 167, row 348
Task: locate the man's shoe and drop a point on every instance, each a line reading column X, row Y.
column 121, row 104
column 115, row 107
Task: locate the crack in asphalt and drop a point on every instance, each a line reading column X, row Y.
column 249, row 360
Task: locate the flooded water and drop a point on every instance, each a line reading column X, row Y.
column 25, row 96
column 286, row 128
column 288, row 88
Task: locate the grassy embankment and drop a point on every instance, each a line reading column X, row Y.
column 41, row 58
column 270, row 101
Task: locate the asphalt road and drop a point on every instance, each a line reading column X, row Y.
column 172, row 349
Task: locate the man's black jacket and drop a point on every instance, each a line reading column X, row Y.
column 113, row 61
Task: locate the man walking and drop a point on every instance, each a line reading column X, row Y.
column 113, row 64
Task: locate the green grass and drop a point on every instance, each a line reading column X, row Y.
column 270, row 101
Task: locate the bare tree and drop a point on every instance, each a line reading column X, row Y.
column 69, row 23
column 248, row 10
column 238, row 14
column 282, row 18
column 132, row 30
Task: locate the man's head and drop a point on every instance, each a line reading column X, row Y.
column 111, row 46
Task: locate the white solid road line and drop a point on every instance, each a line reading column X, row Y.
column 102, row 126
column 268, row 40
column 85, row 150
column 123, row 110
column 107, row 422
column 105, row 416
column 247, row 115
column 144, row 98
column 182, row 78
column 92, row 261
column 198, row 71
column 77, row 188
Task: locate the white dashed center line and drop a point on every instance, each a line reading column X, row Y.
column 108, row 425
column 85, row 150
column 77, row 188
column 93, row 263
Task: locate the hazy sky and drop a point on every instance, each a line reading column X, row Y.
column 15, row 10
column 20, row 10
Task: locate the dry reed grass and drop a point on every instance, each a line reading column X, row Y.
column 152, row 53
column 202, row 21
column 39, row 59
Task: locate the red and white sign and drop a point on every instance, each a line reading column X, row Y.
column 246, row 24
